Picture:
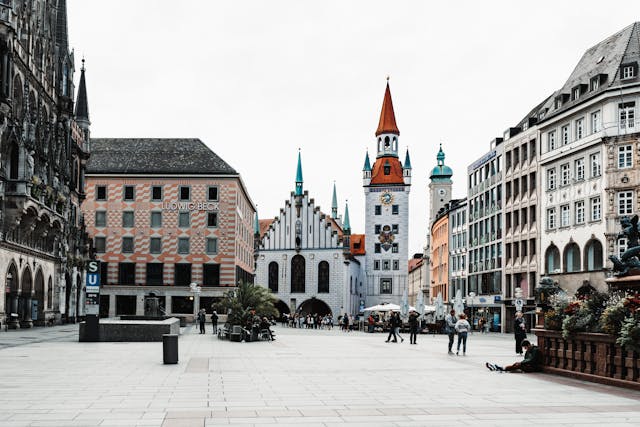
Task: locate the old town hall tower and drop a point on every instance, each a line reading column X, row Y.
column 386, row 187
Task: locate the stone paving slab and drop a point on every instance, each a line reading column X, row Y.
column 306, row 377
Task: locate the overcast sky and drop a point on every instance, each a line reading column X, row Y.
column 256, row 80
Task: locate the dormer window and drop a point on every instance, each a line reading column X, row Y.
column 576, row 93
column 387, row 168
column 595, row 84
column 628, row 71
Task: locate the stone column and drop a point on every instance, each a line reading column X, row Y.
column 112, row 306
column 27, row 321
column 13, row 308
column 167, row 304
column 140, row 304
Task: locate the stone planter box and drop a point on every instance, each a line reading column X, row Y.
column 589, row 356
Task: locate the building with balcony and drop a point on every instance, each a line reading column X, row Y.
column 485, row 225
column 163, row 214
column 588, row 138
column 44, row 147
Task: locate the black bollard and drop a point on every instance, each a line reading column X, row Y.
column 170, row 349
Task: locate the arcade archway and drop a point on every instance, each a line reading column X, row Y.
column 282, row 308
column 314, row 306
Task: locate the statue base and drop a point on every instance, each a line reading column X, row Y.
column 625, row 283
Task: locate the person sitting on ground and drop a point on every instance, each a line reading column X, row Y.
column 532, row 361
column 266, row 325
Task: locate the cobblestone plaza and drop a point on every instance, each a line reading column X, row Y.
column 305, row 377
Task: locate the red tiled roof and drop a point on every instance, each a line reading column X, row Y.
column 357, row 240
column 387, row 122
column 264, row 225
column 414, row 263
column 395, row 175
column 334, row 226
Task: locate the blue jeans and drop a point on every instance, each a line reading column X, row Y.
column 462, row 338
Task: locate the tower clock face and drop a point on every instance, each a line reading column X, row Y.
column 386, row 198
column 442, row 191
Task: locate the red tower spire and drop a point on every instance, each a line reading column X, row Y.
column 387, row 116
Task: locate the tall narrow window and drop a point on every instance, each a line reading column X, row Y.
column 156, row 193
column 273, row 277
column 101, row 192
column 212, row 193
column 579, row 211
column 565, row 174
column 323, row 277
column 565, row 134
column 579, row 128
column 596, row 168
column 627, row 112
column 551, row 179
column 579, row 167
column 129, row 193
column 595, row 121
column 596, row 209
column 185, row 192
column 101, row 218
column 593, row 255
column 625, row 202
column 298, row 274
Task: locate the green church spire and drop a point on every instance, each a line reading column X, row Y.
column 346, row 225
column 367, row 164
column 299, row 176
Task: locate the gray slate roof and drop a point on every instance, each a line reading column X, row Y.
column 172, row 156
column 604, row 58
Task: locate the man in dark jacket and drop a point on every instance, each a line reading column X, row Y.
column 413, row 326
column 532, row 361
column 520, row 331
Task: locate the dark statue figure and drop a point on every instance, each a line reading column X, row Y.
column 629, row 258
column 545, row 290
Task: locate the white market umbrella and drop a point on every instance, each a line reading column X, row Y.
column 439, row 307
column 420, row 303
column 458, row 305
column 405, row 303
column 389, row 307
column 429, row 308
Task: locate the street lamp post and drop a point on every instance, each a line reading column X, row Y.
column 196, row 299
column 471, row 296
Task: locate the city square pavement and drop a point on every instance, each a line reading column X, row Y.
column 305, row 377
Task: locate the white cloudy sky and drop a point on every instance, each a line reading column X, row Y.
column 256, row 80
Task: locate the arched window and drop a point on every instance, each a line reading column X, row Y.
column 571, row 258
column 18, row 94
column 49, row 294
column 593, row 255
column 552, row 259
column 297, row 274
column 273, row 276
column 323, row 277
column 14, row 161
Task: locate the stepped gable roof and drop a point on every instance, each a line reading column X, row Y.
column 395, row 175
column 357, row 244
column 605, row 58
column 334, row 226
column 172, row 156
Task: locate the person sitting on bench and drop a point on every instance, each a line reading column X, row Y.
column 266, row 325
column 532, row 361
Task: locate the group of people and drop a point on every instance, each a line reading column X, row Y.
column 202, row 320
column 308, row 321
column 395, row 323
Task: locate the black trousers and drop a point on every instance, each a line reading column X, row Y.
column 392, row 331
column 413, row 334
column 451, row 336
column 202, row 327
column 519, row 339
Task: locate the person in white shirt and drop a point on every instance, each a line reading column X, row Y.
column 462, row 328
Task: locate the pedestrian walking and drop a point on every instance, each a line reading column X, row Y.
column 214, row 321
column 392, row 328
column 413, row 326
column 398, row 326
column 345, row 322
column 450, row 327
column 481, row 323
column 202, row 318
column 462, row 329
column 520, row 331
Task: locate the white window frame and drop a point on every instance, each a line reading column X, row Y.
column 551, row 218
column 565, row 134
column 579, row 167
column 551, row 141
column 625, row 156
column 622, row 245
column 626, row 115
column 551, row 179
column 596, row 165
column 596, row 208
column 576, row 93
column 595, row 121
column 595, row 83
column 565, row 215
column 579, row 212
column 565, row 174
column 628, row 72
column 579, row 128
column 624, row 201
